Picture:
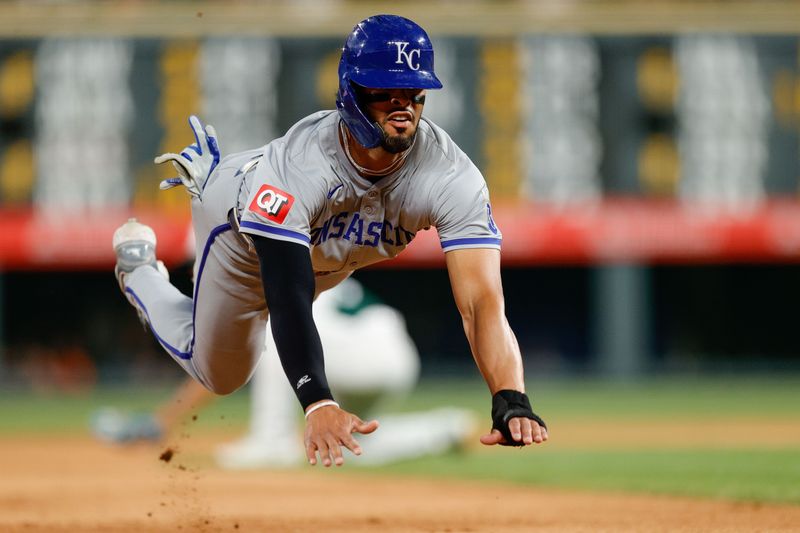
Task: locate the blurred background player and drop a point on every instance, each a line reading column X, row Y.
column 352, row 323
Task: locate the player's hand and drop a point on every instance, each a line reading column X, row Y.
column 329, row 429
column 524, row 431
column 196, row 162
column 513, row 421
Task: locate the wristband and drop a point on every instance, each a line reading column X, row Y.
column 508, row 404
column 320, row 405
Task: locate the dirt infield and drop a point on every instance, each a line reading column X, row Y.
column 70, row 484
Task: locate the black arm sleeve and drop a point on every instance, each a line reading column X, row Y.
column 288, row 280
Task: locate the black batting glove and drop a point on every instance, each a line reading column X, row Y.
column 508, row 404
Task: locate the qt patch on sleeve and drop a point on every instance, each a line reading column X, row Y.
column 272, row 203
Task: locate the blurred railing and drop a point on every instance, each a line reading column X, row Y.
column 483, row 18
column 615, row 231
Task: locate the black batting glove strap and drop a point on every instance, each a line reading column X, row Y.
column 508, row 404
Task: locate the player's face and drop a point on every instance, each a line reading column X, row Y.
column 397, row 113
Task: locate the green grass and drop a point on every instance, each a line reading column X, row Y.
column 768, row 474
column 747, row 475
column 685, row 398
column 25, row 412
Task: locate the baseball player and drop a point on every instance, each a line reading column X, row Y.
column 339, row 191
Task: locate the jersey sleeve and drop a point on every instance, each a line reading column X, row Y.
column 282, row 200
column 462, row 211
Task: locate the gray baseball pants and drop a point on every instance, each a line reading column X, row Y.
column 217, row 336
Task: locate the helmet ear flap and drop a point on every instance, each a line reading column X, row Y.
column 366, row 132
column 357, row 91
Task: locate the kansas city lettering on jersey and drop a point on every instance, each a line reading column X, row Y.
column 351, row 227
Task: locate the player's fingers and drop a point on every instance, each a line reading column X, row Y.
column 538, row 432
column 335, row 453
column 311, row 452
column 526, row 429
column 351, row 444
column 328, row 451
column 179, row 162
column 324, row 453
column 163, row 158
column 181, row 169
column 514, row 427
column 365, row 428
column 490, row 439
column 169, row 183
column 211, row 138
column 199, row 133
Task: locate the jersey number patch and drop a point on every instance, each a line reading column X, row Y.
column 272, row 203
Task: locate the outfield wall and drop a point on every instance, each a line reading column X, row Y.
column 643, row 160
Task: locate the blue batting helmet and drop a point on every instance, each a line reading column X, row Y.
column 382, row 52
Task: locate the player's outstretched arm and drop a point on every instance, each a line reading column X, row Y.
column 478, row 292
column 288, row 280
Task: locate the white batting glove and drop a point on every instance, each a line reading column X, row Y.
column 196, row 162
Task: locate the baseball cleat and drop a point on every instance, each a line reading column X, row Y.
column 135, row 246
column 117, row 427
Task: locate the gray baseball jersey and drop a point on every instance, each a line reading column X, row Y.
column 305, row 190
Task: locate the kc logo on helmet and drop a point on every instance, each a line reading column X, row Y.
column 407, row 57
column 273, row 203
